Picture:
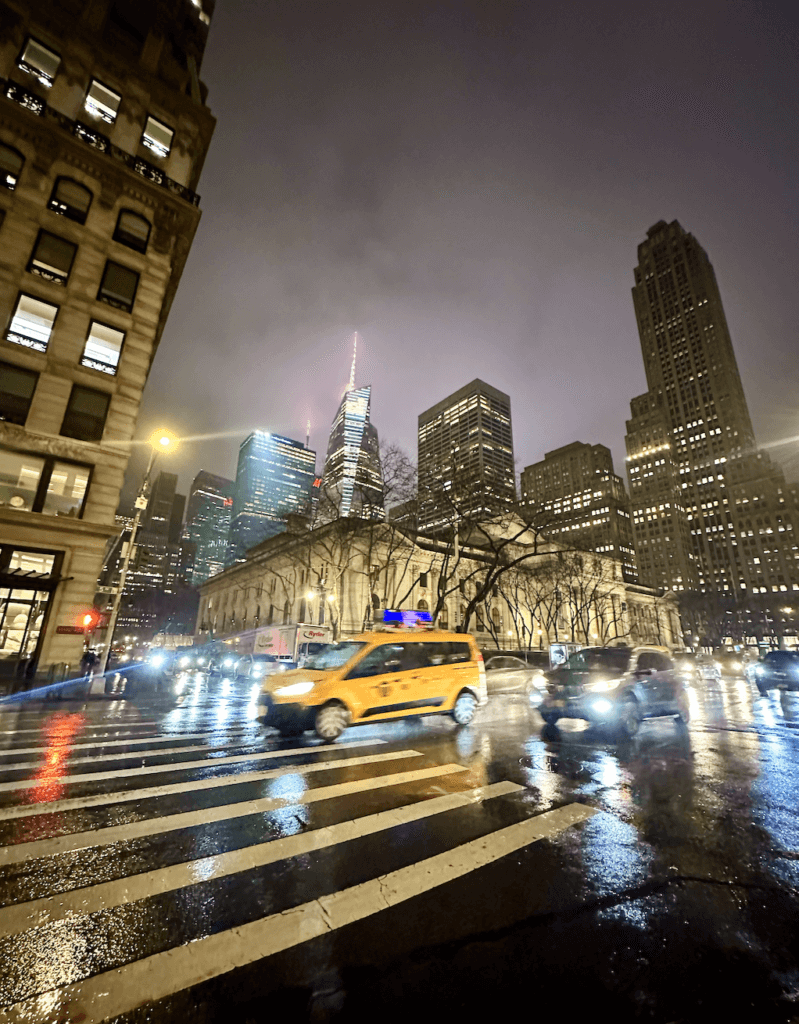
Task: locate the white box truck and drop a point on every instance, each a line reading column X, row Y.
column 292, row 642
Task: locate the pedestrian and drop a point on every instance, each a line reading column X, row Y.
column 87, row 663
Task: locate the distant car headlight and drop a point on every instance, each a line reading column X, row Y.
column 257, row 669
column 293, row 689
column 736, row 665
column 228, row 662
column 602, row 706
column 184, row 661
column 157, row 660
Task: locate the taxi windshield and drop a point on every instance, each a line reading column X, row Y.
column 334, row 655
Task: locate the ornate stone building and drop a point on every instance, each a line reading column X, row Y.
column 344, row 573
column 103, row 134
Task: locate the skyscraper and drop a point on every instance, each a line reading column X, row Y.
column 584, row 502
column 208, row 515
column 352, row 480
column 709, row 510
column 465, row 450
column 103, row 134
column 274, row 478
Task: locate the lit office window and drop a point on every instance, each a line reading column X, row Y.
column 32, row 323
column 102, row 101
column 10, row 167
column 102, row 348
column 40, row 61
column 70, row 199
column 157, row 137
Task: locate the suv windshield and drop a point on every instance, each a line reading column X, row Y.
column 608, row 658
column 334, row 655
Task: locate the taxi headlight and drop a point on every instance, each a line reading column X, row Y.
column 294, row 689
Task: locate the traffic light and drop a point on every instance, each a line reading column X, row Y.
column 89, row 619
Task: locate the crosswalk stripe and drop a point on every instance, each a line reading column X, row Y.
column 123, row 756
column 150, row 883
column 84, row 728
column 123, row 989
column 116, row 797
column 182, row 766
column 88, row 744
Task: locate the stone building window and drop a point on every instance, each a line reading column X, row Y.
column 11, row 162
column 443, row 618
column 157, row 136
column 102, row 348
column 86, row 413
column 118, row 286
column 32, row 323
column 52, row 257
column 132, row 230
column 102, row 101
column 70, row 199
column 16, row 393
column 39, row 60
column 33, row 483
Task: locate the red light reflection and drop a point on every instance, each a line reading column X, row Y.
column 60, row 732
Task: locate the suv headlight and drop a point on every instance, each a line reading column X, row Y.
column 294, row 689
column 602, row 685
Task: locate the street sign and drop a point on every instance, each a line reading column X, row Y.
column 70, row 629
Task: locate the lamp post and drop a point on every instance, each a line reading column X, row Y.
column 160, row 441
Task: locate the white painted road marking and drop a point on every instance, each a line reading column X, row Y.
column 125, row 795
column 87, row 743
column 166, row 769
column 177, row 876
column 123, row 989
column 128, row 755
column 170, row 822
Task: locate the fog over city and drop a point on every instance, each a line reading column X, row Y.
column 465, row 185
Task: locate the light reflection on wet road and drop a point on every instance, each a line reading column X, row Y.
column 512, row 855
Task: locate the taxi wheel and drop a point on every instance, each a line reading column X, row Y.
column 465, row 707
column 331, row 721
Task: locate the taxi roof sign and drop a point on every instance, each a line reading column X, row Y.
column 407, row 618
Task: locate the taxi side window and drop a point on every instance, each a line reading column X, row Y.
column 457, row 653
column 373, row 663
column 660, row 663
column 647, row 660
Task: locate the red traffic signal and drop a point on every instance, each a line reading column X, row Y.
column 89, row 619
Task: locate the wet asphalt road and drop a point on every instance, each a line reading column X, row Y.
column 163, row 859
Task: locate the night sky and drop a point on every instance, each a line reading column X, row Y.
column 465, row 184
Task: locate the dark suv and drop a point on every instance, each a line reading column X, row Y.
column 616, row 687
column 777, row 670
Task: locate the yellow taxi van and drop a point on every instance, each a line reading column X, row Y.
column 378, row 676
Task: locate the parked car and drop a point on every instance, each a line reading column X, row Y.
column 777, row 670
column 223, row 662
column 537, row 659
column 506, row 674
column 708, row 667
column 616, row 687
column 377, row 677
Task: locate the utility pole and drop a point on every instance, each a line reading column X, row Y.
column 161, row 441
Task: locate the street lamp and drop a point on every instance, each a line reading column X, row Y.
column 160, row 441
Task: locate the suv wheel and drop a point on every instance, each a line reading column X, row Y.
column 629, row 719
column 465, row 707
column 331, row 721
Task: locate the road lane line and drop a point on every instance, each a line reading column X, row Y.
column 189, row 819
column 149, row 792
column 166, row 769
column 84, row 728
column 119, row 891
column 124, row 989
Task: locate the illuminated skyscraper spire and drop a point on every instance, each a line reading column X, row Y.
column 308, row 435
column 354, row 355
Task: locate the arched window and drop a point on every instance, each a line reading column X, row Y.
column 422, row 605
column 132, row 230
column 286, row 612
column 481, row 624
column 270, row 618
column 302, row 610
column 462, row 616
column 443, row 618
column 10, row 166
column 495, row 617
column 70, row 199
column 257, row 615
